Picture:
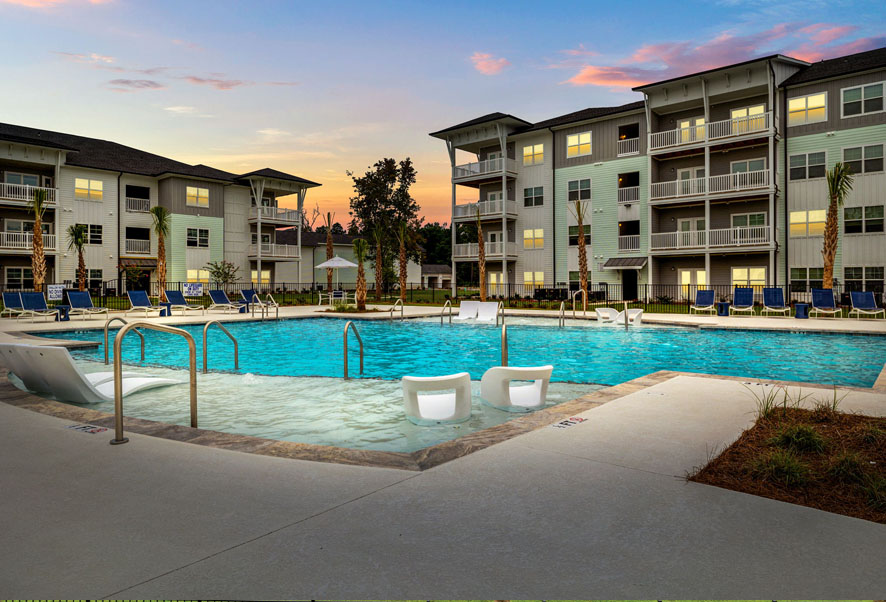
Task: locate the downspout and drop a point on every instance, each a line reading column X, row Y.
column 553, row 204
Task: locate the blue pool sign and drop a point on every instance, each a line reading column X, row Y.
column 54, row 292
column 192, row 289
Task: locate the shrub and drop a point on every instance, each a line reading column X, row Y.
column 824, row 408
column 345, row 308
column 782, row 467
column 875, row 488
column 847, row 467
column 799, row 437
column 873, row 435
column 766, row 401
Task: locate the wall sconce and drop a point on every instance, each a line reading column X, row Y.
column 673, row 219
column 673, row 269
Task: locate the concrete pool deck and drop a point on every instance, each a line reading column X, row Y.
column 600, row 507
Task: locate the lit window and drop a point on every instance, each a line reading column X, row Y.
column 198, row 237
column 533, row 154
column 807, row 109
column 863, row 220
column 807, row 223
column 861, row 100
column 573, row 235
column 533, row 239
column 579, row 190
column 533, row 197
column 578, row 144
column 865, row 159
column 806, row 167
column 198, row 276
column 533, row 279
column 748, row 119
column 88, row 190
column 748, row 276
column 197, row 197
column 265, row 276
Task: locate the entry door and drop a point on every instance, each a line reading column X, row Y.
column 494, row 196
column 747, row 119
column 629, row 285
column 689, row 180
column 492, row 163
column 691, row 130
column 494, row 283
column 691, row 231
column 690, row 281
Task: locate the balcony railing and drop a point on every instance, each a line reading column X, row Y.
column 23, row 240
column 631, row 194
column 735, row 182
column 486, row 208
column 732, row 182
column 277, row 214
column 629, row 243
column 134, row 205
column 724, row 237
column 714, row 131
column 628, row 146
column 138, row 247
column 479, row 168
column 491, row 249
column 24, row 193
column 677, row 188
column 272, row 250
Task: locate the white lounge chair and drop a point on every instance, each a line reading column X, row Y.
column 440, row 408
column 336, row 297
column 635, row 317
column 12, row 360
column 496, row 389
column 864, row 305
column 52, row 370
column 467, row 310
column 487, row 311
column 606, row 314
column 178, row 301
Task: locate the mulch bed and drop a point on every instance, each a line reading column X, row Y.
column 738, row 467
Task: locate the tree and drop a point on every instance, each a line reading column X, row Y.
column 579, row 209
column 839, row 186
column 329, row 248
column 481, row 257
column 361, row 250
column 161, row 218
column 223, row 272
column 406, row 239
column 37, row 206
column 378, row 238
column 436, row 241
column 78, row 237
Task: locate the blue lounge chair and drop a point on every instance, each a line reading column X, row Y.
column 773, row 302
column 34, row 304
column 12, row 304
column 140, row 302
column 823, row 303
column 742, row 300
column 250, row 295
column 177, row 298
column 864, row 304
column 220, row 301
column 81, row 303
column 704, row 301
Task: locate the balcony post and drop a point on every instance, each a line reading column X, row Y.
column 301, row 204
column 502, row 141
column 258, row 191
column 451, row 150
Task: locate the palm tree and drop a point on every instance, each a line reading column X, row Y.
column 361, row 250
column 405, row 237
column 37, row 206
column 161, row 217
column 78, row 236
column 329, row 249
column 579, row 209
column 379, row 236
column 481, row 257
column 839, row 185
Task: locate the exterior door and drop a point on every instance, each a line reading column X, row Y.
column 690, row 281
column 691, row 130
column 494, row 283
column 629, row 285
column 689, row 180
column 691, row 231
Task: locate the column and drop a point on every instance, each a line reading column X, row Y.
column 258, row 191
column 451, row 152
column 502, row 141
column 301, row 205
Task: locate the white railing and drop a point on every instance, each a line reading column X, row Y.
column 734, row 182
column 134, row 205
column 629, row 243
column 271, row 250
column 24, row 193
column 724, row 237
column 137, row 246
column 479, row 168
column 678, row 240
column 491, row 249
column 677, row 188
column 738, row 126
column 277, row 214
column 688, row 135
column 628, row 146
column 23, row 240
column 631, row 194
column 485, row 208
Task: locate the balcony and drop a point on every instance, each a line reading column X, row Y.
column 138, row 247
column 714, row 132
column 135, row 205
column 22, row 241
column 277, row 215
column 629, row 244
column 493, row 250
column 630, row 194
column 482, row 169
column 748, row 236
column 273, row 252
column 486, row 209
column 628, row 147
column 22, row 193
column 715, row 185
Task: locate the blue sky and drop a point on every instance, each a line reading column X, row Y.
column 316, row 89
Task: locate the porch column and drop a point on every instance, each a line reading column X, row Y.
column 258, row 191
column 451, row 150
column 502, row 141
column 301, row 205
column 648, row 113
column 707, row 176
column 707, row 236
column 772, row 279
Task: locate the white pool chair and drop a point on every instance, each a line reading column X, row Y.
column 426, row 410
column 635, row 317
column 487, row 311
column 467, row 310
column 12, row 360
column 606, row 314
column 496, row 388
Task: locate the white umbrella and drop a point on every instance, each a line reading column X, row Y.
column 335, row 263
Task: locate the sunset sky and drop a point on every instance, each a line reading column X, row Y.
column 318, row 88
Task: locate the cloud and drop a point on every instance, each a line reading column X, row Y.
column 487, row 64
column 90, row 58
column 50, row 3
column 284, row 83
column 216, row 82
column 580, row 51
column 273, row 133
column 181, row 110
column 132, row 85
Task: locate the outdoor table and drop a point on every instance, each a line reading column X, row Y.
column 723, row 308
column 801, row 311
column 165, row 309
column 62, row 314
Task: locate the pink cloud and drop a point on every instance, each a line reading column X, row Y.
column 580, row 51
column 487, row 64
column 50, row 3
column 216, row 82
column 133, row 85
column 613, row 77
column 825, row 33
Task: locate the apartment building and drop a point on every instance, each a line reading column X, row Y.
column 714, row 178
column 111, row 188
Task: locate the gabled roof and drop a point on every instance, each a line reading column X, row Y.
column 436, row 268
column 779, row 57
column 583, row 115
column 844, row 65
column 479, row 120
column 273, row 174
column 32, row 141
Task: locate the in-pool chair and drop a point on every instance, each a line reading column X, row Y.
column 496, row 389
column 438, row 408
column 467, row 310
column 606, row 315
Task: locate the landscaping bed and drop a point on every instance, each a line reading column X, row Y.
column 821, row 458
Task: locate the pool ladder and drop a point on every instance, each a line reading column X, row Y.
column 500, row 311
column 118, row 319
column 504, row 345
column 348, row 326
column 442, row 311
column 230, row 336
column 394, row 306
column 584, row 297
column 265, row 307
column 561, row 319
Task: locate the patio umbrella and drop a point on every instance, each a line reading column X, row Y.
column 335, row 263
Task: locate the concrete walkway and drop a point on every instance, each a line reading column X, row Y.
column 597, row 509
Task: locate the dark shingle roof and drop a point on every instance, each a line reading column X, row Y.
column 583, row 115
column 32, row 141
column 436, row 268
column 844, row 65
column 267, row 172
column 490, row 117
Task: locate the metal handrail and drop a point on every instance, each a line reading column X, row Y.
column 500, row 311
column 230, row 336
column 118, row 373
column 562, row 317
column 584, row 297
column 394, row 306
column 265, row 307
column 504, row 345
column 442, row 311
column 360, row 340
column 119, row 319
column 271, row 302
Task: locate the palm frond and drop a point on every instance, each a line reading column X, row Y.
column 161, row 217
column 840, row 182
column 78, row 237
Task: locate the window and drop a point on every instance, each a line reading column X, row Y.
column 265, row 276
column 863, row 220
column 93, row 233
column 743, row 220
column 863, row 278
column 197, row 197
column 88, row 190
column 578, row 144
column 198, row 237
column 198, row 276
column 807, row 109
column 25, row 179
column 533, row 154
column 803, row 279
column 748, row 276
column 807, row 223
column 533, row 279
column 94, row 279
column 864, row 159
column 19, row 278
column 748, row 119
column 749, row 165
column 573, row 235
column 265, row 238
column 533, row 239
column 691, row 130
column 533, row 197
column 26, row 226
column 579, row 190
column 806, row 167
column 861, row 100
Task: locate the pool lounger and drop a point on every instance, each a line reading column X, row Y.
column 81, row 304
column 742, row 301
column 864, row 304
column 177, row 298
column 440, row 408
column 606, row 315
column 467, row 310
column 12, row 304
column 823, row 303
column 704, row 301
column 220, row 301
column 139, row 301
column 52, row 370
column 773, row 302
column 34, row 305
column 252, row 296
column 496, row 389
column 487, row 311
column 635, row 316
